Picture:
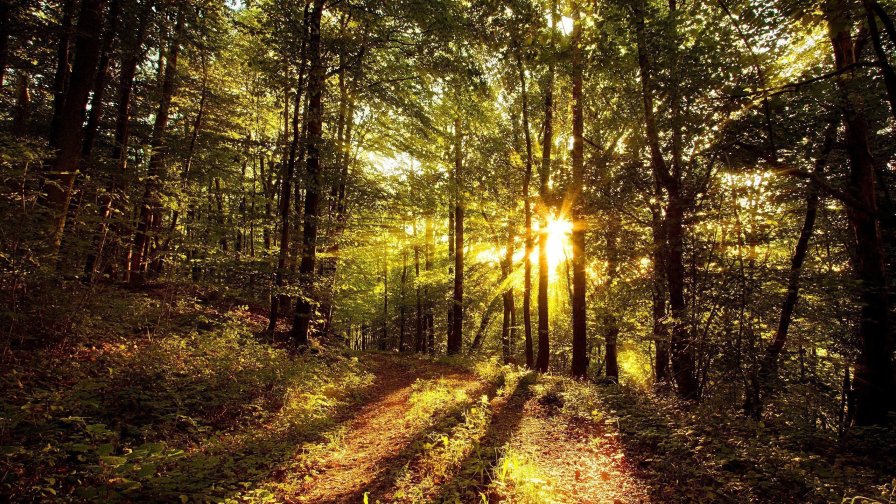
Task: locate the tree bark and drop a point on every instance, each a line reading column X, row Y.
column 304, row 304
column 611, row 321
column 63, row 66
column 97, row 101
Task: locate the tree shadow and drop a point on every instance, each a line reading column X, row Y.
column 475, row 472
column 391, row 467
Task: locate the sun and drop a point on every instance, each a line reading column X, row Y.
column 558, row 230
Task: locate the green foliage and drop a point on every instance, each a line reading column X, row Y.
column 204, row 414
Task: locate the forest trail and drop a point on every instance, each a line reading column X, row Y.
column 380, row 432
column 524, row 452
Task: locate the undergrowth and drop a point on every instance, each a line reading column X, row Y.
column 197, row 409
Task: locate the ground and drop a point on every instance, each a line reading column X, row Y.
column 182, row 401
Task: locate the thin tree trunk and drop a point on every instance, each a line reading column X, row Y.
column 579, row 314
column 483, row 325
column 402, row 301
column 660, row 331
column 455, row 341
column 507, row 329
column 22, row 115
column 279, row 299
column 527, row 211
column 883, row 63
column 97, row 102
column 429, row 315
column 304, row 305
column 151, row 207
column 611, row 322
column 63, row 66
column 418, row 328
column 760, row 382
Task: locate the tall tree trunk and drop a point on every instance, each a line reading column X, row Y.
column 419, row 322
column 579, row 314
column 760, row 381
column 883, row 62
column 429, row 315
column 527, row 211
column 97, row 101
column 385, row 337
column 660, row 330
column 681, row 347
column 507, row 329
column 873, row 383
column 402, row 300
column 455, row 340
column 542, row 361
column 316, row 77
column 63, row 65
column 611, row 322
column 130, row 61
column 151, row 207
column 278, row 299
column 68, row 136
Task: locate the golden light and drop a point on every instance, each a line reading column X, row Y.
column 558, row 230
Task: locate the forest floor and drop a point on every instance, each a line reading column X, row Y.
column 167, row 397
column 526, row 451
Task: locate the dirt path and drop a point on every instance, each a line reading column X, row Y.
column 568, row 460
column 378, row 436
column 536, row 453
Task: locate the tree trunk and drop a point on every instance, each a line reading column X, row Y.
column 527, row 211
column 22, row 116
column 681, row 347
column 579, row 314
column 127, row 73
column 507, row 329
column 402, row 302
column 542, row 361
column 455, row 340
column 150, row 219
column 873, row 382
column 611, row 321
column 63, row 66
column 279, row 299
column 483, row 325
column 69, row 132
column 97, row 102
column 760, row 382
column 304, row 305
column 660, row 331
column 883, row 62
column 429, row 316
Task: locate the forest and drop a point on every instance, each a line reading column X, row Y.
column 371, row 251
